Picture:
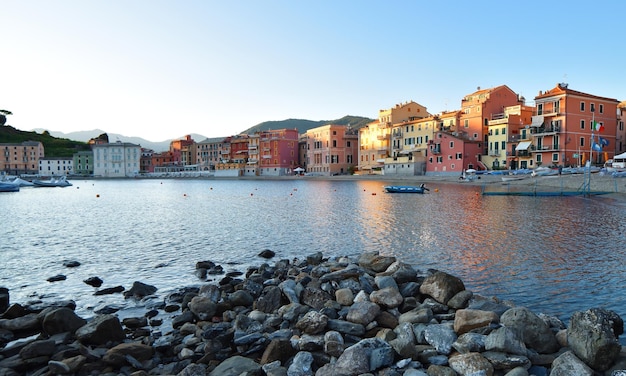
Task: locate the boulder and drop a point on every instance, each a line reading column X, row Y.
column 94, row 281
column 441, row 286
column 117, row 355
column 62, row 320
column 4, row 299
column 375, row 262
column 471, row 364
column 568, row 364
column 202, row 307
column 531, row 329
column 140, row 290
column 466, row 320
column 235, row 366
column 99, row 331
column 592, row 337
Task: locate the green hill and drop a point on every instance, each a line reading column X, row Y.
column 53, row 147
column 302, row 125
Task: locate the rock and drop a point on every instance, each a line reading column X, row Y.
column 365, row 356
column 312, row 322
column 344, row 296
column 71, row 264
column 241, row 298
column 192, row 370
column 441, row 337
column 467, row 319
column 278, row 349
column 363, row 312
column 441, row 286
column 235, row 366
column 531, row 329
column 472, row 364
column 503, row 361
column 388, row 297
column 314, row 297
column 94, row 281
column 117, row 356
column 4, row 299
column 267, row 254
column 591, row 337
column 110, row 290
column 100, row 330
column 24, row 324
column 57, row 278
column 38, row 348
column 375, row 262
column 334, row 343
column 202, row 307
column 302, row 365
column 567, row 364
column 62, row 320
column 418, row 315
column 269, row 301
column 140, row 290
column 470, row 342
column 505, row 340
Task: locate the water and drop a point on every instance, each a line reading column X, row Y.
column 555, row 255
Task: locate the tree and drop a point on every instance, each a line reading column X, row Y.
column 3, row 118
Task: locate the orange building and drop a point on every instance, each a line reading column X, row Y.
column 22, row 158
column 331, row 150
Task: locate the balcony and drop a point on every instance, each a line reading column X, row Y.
column 552, row 129
column 397, row 134
column 381, row 137
column 494, row 153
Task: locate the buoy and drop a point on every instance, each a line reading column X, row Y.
column 373, row 193
column 251, row 194
column 184, row 195
column 436, row 189
column 97, row 195
column 295, row 189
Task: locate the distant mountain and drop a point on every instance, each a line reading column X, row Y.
column 113, row 137
column 302, row 125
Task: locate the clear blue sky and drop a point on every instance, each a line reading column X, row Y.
column 162, row 69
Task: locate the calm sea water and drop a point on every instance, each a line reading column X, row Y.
column 555, row 255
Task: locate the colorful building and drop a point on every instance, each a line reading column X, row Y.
column 505, row 145
column 119, row 159
column 451, row 155
column 21, row 158
column 83, row 163
column 278, row 151
column 331, row 150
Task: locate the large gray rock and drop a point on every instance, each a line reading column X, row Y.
column 375, row 262
column 62, row 320
column 365, row 356
column 202, row 307
column 441, row 337
column 471, row 364
column 466, row 320
column 302, row 364
column 567, row 364
column 592, row 337
column 388, row 297
column 505, row 340
column 531, row 329
column 441, row 286
column 363, row 312
column 101, row 330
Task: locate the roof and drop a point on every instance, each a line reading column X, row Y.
column 562, row 88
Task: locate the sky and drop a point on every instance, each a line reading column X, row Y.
column 161, row 69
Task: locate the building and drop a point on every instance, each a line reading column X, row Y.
column 570, row 127
column 83, row 163
column 331, row 150
column 451, row 154
column 56, row 166
column 21, row 158
column 119, row 159
column 208, row 153
column 278, row 150
column 375, row 138
column 410, row 141
column 145, row 162
column 507, row 137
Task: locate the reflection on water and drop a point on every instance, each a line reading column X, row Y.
column 552, row 254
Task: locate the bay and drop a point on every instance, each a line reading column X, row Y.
column 554, row 255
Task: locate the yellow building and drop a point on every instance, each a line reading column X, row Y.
column 507, row 138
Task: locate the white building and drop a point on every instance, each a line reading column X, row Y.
column 116, row 160
column 55, row 166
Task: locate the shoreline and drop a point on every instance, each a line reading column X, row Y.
column 315, row 316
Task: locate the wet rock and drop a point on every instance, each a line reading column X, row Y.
column 38, row 348
column 567, row 364
column 441, row 286
column 266, row 253
column 375, row 262
column 202, row 307
column 235, row 366
column 117, row 355
column 71, row 264
column 466, row 320
column 505, row 340
column 62, row 320
column 139, row 290
column 110, row 290
column 57, row 278
column 471, row 364
column 4, row 299
column 94, row 281
column 269, row 301
column 99, row 331
column 592, row 337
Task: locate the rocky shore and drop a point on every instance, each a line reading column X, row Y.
column 374, row 315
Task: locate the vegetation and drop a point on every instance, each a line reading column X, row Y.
column 302, row 126
column 53, row 147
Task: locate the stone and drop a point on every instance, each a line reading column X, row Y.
column 235, row 366
column 278, row 349
column 94, row 281
column 312, row 322
column 405, row 341
column 441, row 337
column 466, row 320
column 460, row 300
column 505, row 340
column 334, row 343
column 471, row 364
column 289, row 287
column 38, row 348
column 4, row 299
column 531, row 329
column 192, row 370
column 202, row 307
column 57, row 278
column 470, row 342
column 441, row 286
column 567, row 364
column 314, row 297
column 269, row 301
column 117, row 355
column 365, row 356
column 139, row 290
column 71, row 264
column 363, row 312
column 24, row 324
column 503, row 361
column 267, row 254
column 344, row 296
column 62, row 320
column 241, row 298
column 388, row 297
column 302, row 365
column 375, row 262
column 591, row 337
column 109, row 290
column 418, row 315
column 100, row 330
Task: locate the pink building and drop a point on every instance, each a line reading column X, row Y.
column 278, row 152
column 450, row 155
column 331, row 150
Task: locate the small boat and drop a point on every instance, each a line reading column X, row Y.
column 21, row 182
column 60, row 182
column 405, row 189
column 9, row 187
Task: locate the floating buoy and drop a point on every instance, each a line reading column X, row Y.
column 436, row 189
column 295, row 189
column 211, row 188
column 251, row 194
column 373, row 193
column 97, row 195
column 184, row 195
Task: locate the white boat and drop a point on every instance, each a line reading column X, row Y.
column 21, row 182
column 60, row 182
column 514, row 177
column 9, row 187
column 617, row 164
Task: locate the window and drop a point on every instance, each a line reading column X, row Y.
column 582, row 141
column 459, row 156
column 601, row 108
column 540, row 109
column 592, row 107
column 582, row 124
column 439, row 159
column 348, row 143
column 503, row 143
column 466, row 123
column 582, row 106
column 334, row 143
column 451, row 144
column 538, row 158
column 497, row 131
column 555, row 157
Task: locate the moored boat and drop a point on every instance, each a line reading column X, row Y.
column 9, row 187
column 405, row 189
column 60, row 182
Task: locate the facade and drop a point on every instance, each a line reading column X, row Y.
column 410, row 141
column 620, row 141
column 21, row 158
column 331, row 150
column 180, row 149
column 145, row 162
column 208, row 153
column 278, row 151
column 505, row 146
column 570, row 127
column 55, row 166
column 375, row 139
column 83, row 163
column 116, row 160
column 451, row 155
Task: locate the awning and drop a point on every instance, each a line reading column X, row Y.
column 537, row 121
column 524, row 145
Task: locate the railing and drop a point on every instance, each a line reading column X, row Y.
column 550, row 129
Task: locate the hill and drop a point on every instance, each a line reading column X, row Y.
column 53, row 147
column 302, row 125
